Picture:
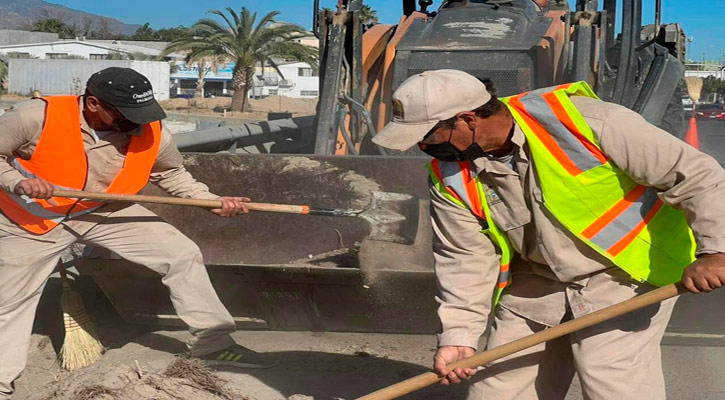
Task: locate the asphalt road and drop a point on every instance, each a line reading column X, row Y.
column 712, row 139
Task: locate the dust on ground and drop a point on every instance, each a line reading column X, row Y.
column 313, row 366
column 258, row 108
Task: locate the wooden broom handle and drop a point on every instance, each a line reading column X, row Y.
column 429, row 378
column 177, row 201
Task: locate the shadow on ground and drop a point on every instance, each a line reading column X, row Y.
column 327, row 376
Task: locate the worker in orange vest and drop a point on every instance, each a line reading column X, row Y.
column 112, row 140
column 547, row 206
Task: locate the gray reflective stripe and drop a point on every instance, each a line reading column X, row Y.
column 38, row 210
column 35, row 208
column 538, row 108
column 626, row 221
column 15, row 164
column 503, row 276
column 538, row 92
column 453, row 178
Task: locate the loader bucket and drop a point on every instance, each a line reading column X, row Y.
column 295, row 272
column 290, row 272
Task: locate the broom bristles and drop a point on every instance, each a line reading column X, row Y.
column 81, row 346
column 694, row 87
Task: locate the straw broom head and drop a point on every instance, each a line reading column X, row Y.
column 694, row 87
column 81, row 346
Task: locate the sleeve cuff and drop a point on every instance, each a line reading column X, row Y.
column 710, row 245
column 453, row 338
column 10, row 180
column 206, row 196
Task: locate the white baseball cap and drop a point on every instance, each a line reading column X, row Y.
column 427, row 98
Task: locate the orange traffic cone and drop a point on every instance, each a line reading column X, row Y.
column 691, row 135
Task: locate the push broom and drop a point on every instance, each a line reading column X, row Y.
column 81, row 346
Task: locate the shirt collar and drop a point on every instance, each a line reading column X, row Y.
column 486, row 164
column 84, row 124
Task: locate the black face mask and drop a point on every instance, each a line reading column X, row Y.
column 123, row 125
column 446, row 151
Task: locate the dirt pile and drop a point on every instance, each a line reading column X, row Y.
column 184, row 378
column 298, row 107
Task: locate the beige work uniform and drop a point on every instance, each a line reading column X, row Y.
column 557, row 277
column 129, row 230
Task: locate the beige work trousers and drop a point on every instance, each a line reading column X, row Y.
column 133, row 233
column 618, row 359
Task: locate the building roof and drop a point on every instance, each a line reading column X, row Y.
column 116, row 46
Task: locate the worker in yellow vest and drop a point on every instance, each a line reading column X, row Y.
column 547, row 206
column 110, row 139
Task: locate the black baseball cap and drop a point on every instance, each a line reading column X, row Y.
column 127, row 91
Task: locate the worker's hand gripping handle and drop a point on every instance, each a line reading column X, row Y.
column 481, row 359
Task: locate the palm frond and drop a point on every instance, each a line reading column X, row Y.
column 266, row 20
column 232, row 26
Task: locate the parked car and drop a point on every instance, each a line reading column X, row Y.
column 710, row 112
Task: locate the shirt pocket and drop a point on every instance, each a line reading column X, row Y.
column 510, row 218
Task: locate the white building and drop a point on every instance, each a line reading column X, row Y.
column 89, row 49
column 718, row 73
column 298, row 80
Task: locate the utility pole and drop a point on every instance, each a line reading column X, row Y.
column 689, row 47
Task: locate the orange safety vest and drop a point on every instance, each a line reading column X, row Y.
column 60, row 158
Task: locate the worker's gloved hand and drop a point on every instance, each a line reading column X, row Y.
column 35, row 188
column 707, row 273
column 232, row 206
column 448, row 354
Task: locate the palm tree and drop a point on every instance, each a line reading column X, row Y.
column 368, row 16
column 239, row 39
column 205, row 65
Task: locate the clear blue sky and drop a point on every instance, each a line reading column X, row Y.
column 704, row 20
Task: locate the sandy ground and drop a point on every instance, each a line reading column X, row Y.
column 323, row 366
column 313, row 365
column 258, row 108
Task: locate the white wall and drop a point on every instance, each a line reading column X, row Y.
column 63, row 77
column 71, row 48
column 303, row 86
column 704, row 74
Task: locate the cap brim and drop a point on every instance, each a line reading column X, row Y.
column 143, row 115
column 397, row 136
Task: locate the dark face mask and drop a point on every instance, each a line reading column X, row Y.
column 123, row 125
column 446, row 151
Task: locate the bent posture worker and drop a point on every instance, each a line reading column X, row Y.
column 582, row 204
column 111, row 139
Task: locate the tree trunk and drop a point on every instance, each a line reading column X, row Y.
column 242, row 81
column 240, row 94
column 248, row 84
column 201, row 66
column 199, row 93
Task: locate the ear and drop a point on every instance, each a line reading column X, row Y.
column 92, row 103
column 468, row 118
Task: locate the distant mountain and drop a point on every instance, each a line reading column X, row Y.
column 20, row 14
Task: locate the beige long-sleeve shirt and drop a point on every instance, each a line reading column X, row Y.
column 466, row 262
column 20, row 131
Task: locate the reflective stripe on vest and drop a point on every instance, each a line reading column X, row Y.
column 456, row 182
column 598, row 202
column 60, row 158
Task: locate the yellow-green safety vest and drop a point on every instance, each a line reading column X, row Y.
column 595, row 200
